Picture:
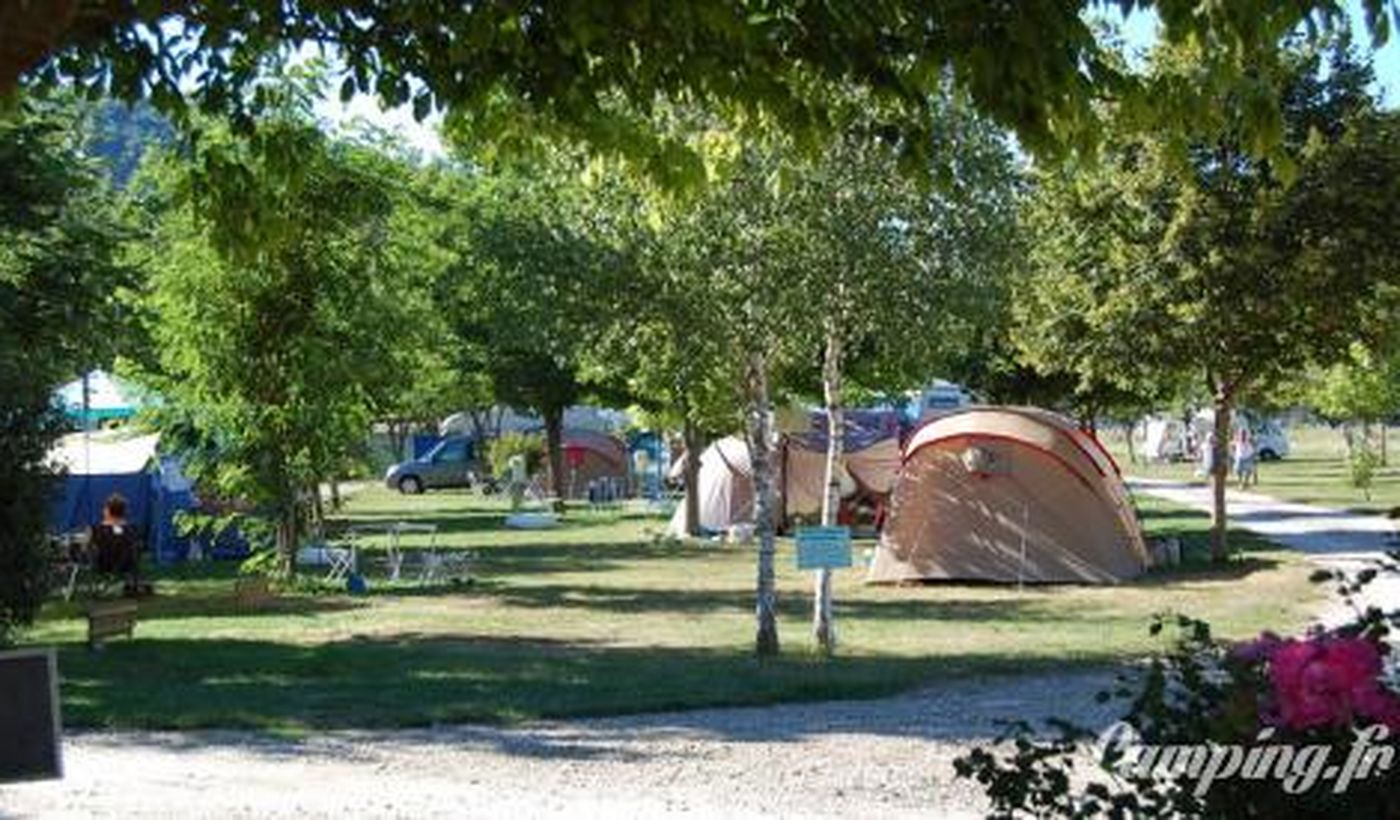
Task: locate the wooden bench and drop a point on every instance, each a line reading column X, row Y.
column 252, row 593
column 108, row 619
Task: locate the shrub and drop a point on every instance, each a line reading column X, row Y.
column 1299, row 705
column 507, row 445
column 27, row 428
column 1363, row 462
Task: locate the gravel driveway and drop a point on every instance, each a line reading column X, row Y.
column 879, row 758
column 1331, row 538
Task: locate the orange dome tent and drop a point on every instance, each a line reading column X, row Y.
column 1008, row 494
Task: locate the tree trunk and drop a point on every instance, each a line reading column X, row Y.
column 397, row 437
column 694, row 445
column 286, row 534
column 1132, row 453
column 822, row 628
column 335, row 494
column 318, row 510
column 760, row 439
column 554, row 445
column 1385, row 458
column 1220, row 474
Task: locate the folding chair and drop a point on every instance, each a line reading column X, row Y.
column 341, row 561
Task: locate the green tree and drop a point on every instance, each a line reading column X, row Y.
column 888, row 282
column 519, row 69
column 61, row 274
column 1363, row 387
column 1215, row 270
column 272, row 353
column 530, row 290
column 666, row 346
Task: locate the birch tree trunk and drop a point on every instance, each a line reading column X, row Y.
column 760, row 439
column 822, row 628
column 1220, row 475
column 694, row 445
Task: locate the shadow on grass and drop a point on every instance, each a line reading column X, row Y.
column 910, row 605
column 417, row 681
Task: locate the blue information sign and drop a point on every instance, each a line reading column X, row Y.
column 823, row 547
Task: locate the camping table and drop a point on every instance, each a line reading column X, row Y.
column 395, row 549
column 396, row 530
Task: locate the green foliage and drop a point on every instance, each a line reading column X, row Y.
column 1362, row 463
column 508, row 445
column 1363, row 387
column 533, row 280
column 557, row 69
column 60, row 272
column 275, row 308
column 1150, row 273
column 1233, row 703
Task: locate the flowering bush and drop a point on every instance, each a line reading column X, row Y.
column 1275, row 727
column 1326, row 681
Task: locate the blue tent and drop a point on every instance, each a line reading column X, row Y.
column 155, row 489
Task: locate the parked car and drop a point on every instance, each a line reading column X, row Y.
column 447, row 464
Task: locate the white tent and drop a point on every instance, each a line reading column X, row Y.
column 799, row 463
column 726, row 487
column 104, row 453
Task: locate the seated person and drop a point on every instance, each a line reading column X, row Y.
column 115, row 544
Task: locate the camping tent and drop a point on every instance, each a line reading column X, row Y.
column 155, row 488
column 108, row 399
column 1008, row 494
column 871, row 460
column 596, row 460
column 94, row 467
column 726, row 486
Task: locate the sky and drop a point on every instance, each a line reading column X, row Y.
column 1139, row 31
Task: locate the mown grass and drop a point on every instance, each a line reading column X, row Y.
column 1316, row 472
column 603, row 617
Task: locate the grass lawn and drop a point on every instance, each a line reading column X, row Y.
column 599, row 617
column 1316, row 472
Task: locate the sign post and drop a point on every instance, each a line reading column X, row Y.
column 823, row 549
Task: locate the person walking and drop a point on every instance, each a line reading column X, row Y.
column 1246, row 463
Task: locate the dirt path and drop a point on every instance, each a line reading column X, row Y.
column 881, row 758
column 1336, row 539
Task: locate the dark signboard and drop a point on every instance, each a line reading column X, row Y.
column 30, row 732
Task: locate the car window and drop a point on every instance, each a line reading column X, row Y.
column 450, row 451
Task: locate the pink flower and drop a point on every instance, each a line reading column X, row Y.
column 1261, row 648
column 1328, row 681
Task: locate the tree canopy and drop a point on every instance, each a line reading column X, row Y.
column 271, row 357
column 62, row 273
column 1037, row 68
column 1223, row 272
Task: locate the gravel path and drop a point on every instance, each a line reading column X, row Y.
column 880, row 758
column 1335, row 539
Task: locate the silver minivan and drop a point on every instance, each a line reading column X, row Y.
column 447, row 464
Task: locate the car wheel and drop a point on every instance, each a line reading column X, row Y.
column 1268, row 455
column 411, row 485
